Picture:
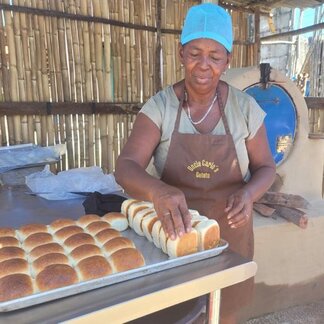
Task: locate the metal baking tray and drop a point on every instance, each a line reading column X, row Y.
column 155, row 261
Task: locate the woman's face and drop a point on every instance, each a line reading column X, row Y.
column 204, row 61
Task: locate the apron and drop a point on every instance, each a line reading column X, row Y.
column 205, row 167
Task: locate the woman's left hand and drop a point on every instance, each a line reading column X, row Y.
column 239, row 208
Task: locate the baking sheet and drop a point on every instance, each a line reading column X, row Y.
column 155, row 261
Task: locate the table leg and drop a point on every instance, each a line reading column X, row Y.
column 214, row 307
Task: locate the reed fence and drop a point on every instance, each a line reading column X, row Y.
column 89, row 52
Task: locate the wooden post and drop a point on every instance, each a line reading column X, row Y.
column 157, row 72
column 257, row 36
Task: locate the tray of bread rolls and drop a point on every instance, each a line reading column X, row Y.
column 40, row 263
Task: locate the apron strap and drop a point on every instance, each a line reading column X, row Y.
column 222, row 111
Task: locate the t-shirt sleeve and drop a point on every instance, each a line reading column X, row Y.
column 255, row 117
column 153, row 110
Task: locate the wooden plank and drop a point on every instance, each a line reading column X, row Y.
column 283, row 199
column 263, row 209
column 315, row 102
column 293, row 215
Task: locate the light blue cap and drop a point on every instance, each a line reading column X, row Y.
column 208, row 20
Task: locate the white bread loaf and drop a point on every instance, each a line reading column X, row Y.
column 118, row 221
column 8, row 241
column 48, row 259
column 93, row 267
column 125, row 206
column 197, row 219
column 135, row 208
column 78, row 239
column 96, row 227
column 84, row 251
column 56, row 276
column 163, row 238
column 106, row 235
column 126, row 259
column 138, row 219
column 36, row 239
column 156, row 233
column 7, row 231
column 147, row 225
column 11, row 252
column 60, row 223
column 209, row 234
column 29, row 229
column 184, row 245
column 87, row 219
column 41, row 250
column 13, row 266
column 194, row 213
column 62, row 234
column 116, row 244
column 23, row 286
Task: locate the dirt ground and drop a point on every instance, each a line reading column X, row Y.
column 305, row 314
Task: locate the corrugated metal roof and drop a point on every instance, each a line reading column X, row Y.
column 267, row 5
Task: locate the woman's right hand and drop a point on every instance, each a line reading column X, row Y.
column 171, row 207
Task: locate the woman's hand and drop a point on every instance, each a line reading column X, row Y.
column 171, row 208
column 239, row 208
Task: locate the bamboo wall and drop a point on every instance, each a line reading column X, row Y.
column 82, row 51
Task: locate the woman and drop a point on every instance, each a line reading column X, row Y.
column 208, row 142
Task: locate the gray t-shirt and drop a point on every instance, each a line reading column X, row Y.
column 244, row 117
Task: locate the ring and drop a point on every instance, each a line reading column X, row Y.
column 166, row 214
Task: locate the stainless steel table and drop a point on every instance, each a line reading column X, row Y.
column 127, row 300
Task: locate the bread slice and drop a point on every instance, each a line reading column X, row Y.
column 197, row 219
column 163, row 240
column 138, row 219
column 135, row 208
column 147, row 225
column 126, row 204
column 184, row 245
column 156, row 233
column 209, row 234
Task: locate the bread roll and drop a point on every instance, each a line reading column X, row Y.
column 116, row 244
column 147, row 225
column 135, row 208
column 65, row 232
column 60, row 223
column 194, row 213
column 29, row 229
column 93, row 267
column 138, row 220
column 48, row 259
column 197, row 219
column 85, row 220
column 13, row 266
column 84, row 251
column 106, row 235
column 36, row 239
column 163, row 238
column 96, row 227
column 56, row 276
column 126, row 204
column 78, row 239
column 184, row 245
column 41, row 250
column 156, row 233
column 126, row 259
column 15, row 286
column 208, row 233
column 8, row 241
column 7, row 231
column 118, row 221
column 11, row 252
